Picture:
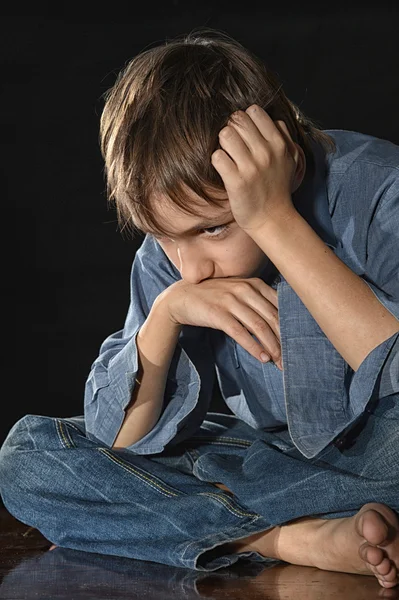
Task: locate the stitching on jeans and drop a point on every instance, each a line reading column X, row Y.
column 222, row 440
column 200, row 541
column 139, row 473
column 63, row 435
column 232, row 439
column 228, row 505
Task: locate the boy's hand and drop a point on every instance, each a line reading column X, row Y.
column 235, row 306
column 257, row 164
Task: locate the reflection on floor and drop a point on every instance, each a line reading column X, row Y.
column 28, row 570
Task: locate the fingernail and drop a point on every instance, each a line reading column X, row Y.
column 264, row 357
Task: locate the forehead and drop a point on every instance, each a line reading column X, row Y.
column 176, row 221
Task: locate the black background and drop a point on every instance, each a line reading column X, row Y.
column 67, row 263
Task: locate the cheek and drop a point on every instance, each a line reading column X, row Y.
column 247, row 252
column 252, row 260
column 170, row 251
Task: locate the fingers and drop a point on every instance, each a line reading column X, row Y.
column 248, row 131
column 292, row 147
column 255, row 305
column 246, row 310
column 266, row 315
column 263, row 326
column 233, row 146
column 264, row 123
column 257, row 302
column 239, row 307
column 241, row 335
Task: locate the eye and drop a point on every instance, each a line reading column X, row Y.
column 220, row 231
column 210, row 232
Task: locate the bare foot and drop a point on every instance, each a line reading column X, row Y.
column 365, row 544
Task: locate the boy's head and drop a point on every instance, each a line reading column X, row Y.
column 162, row 117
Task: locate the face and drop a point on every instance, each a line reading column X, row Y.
column 210, row 246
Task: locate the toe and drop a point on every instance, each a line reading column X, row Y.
column 371, row 554
column 388, row 584
column 372, row 527
column 390, row 579
column 385, row 567
column 392, row 575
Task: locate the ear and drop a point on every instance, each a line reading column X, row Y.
column 300, row 169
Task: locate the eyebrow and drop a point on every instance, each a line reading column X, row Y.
column 201, row 225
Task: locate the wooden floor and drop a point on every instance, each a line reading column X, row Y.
column 29, row 570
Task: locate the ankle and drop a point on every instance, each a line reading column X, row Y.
column 297, row 541
column 263, row 542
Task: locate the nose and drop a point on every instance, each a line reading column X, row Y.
column 194, row 267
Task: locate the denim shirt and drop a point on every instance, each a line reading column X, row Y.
column 352, row 202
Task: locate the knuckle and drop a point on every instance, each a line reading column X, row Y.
column 213, row 310
column 226, row 297
column 238, row 182
column 261, row 325
column 266, row 159
column 275, row 353
column 274, row 317
column 237, row 116
column 280, row 145
column 254, row 349
column 217, row 155
column 226, row 132
column 236, row 331
column 241, row 287
column 251, row 172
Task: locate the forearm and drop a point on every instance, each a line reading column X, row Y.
column 156, row 343
column 343, row 305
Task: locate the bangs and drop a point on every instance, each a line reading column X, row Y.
column 171, row 164
column 162, row 118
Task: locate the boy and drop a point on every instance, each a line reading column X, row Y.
column 293, row 301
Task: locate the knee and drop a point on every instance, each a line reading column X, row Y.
column 20, row 440
column 18, row 457
column 20, row 435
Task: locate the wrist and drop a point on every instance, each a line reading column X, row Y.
column 163, row 306
column 280, row 219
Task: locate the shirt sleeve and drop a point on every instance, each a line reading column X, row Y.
column 378, row 374
column 111, row 380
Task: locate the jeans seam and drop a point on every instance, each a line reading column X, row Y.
column 222, row 441
column 63, row 435
column 196, row 542
column 140, row 474
column 223, row 500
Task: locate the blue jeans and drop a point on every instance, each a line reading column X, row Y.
column 165, row 508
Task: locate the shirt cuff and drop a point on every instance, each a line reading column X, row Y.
column 376, row 376
column 180, row 398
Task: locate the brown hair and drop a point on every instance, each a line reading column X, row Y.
column 161, row 120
